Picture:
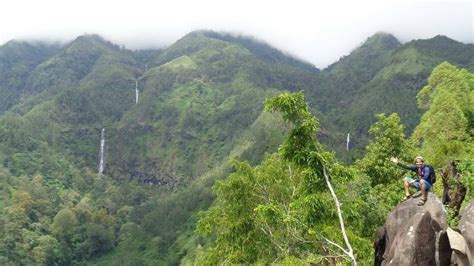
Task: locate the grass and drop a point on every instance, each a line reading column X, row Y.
column 181, row 62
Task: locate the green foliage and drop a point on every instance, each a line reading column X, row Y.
column 46, row 251
column 256, row 217
column 277, row 211
column 302, row 148
column 17, row 60
column 64, row 224
column 379, row 79
column 301, row 145
column 444, row 132
column 466, row 167
column 261, row 50
column 388, row 140
column 181, row 62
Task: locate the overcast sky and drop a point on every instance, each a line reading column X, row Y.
column 317, row 31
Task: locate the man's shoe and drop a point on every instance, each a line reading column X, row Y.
column 421, row 202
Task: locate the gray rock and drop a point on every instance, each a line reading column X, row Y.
column 451, row 249
column 461, row 255
column 409, row 233
column 379, row 245
column 466, row 226
column 443, row 249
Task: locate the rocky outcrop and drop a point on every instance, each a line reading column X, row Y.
column 418, row 235
column 452, row 249
column 466, row 227
column 443, row 248
column 409, row 234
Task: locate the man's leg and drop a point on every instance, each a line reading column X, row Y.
column 409, row 181
column 423, row 189
column 406, row 184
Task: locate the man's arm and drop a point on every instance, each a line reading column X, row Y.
column 412, row 168
column 397, row 162
column 426, row 173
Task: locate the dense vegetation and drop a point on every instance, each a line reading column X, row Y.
column 201, row 118
column 279, row 210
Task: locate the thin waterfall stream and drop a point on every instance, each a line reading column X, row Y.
column 347, row 141
column 136, row 92
column 101, row 151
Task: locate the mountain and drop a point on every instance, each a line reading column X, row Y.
column 262, row 50
column 394, row 86
column 341, row 81
column 17, row 60
column 198, row 90
column 197, row 108
column 200, row 105
column 380, row 76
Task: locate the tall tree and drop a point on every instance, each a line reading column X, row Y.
column 302, row 148
column 388, row 140
column 446, row 129
column 278, row 211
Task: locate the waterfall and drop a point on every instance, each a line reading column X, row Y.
column 347, row 142
column 101, row 151
column 136, row 91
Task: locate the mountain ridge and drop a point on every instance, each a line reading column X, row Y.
column 334, row 86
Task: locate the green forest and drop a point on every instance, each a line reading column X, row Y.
column 222, row 150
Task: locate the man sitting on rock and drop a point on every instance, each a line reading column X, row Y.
column 421, row 180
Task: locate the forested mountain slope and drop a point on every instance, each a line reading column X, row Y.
column 17, row 60
column 198, row 104
column 381, row 76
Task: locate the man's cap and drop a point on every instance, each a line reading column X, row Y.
column 420, row 158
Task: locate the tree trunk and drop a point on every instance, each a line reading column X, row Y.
column 453, row 190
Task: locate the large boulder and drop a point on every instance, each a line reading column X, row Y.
column 452, row 249
column 466, row 226
column 456, row 247
column 409, row 234
column 444, row 251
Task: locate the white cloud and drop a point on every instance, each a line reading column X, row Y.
column 318, row 31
